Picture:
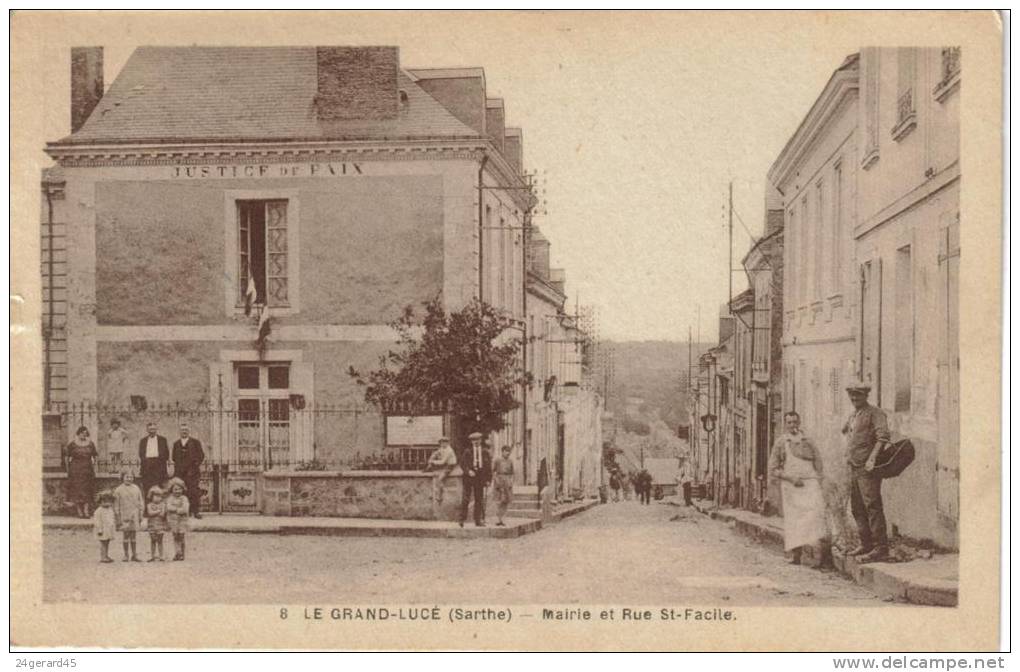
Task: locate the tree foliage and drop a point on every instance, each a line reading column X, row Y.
column 468, row 361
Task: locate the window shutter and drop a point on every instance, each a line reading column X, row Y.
column 302, row 381
column 276, row 253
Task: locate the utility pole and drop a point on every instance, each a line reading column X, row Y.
column 729, row 267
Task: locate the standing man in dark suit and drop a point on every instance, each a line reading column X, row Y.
column 187, row 458
column 476, row 463
column 153, row 455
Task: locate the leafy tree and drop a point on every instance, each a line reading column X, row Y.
column 466, row 361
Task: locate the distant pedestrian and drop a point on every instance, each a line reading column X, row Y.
column 796, row 462
column 685, row 484
column 177, row 516
column 80, row 459
column 128, row 511
column 645, row 480
column 628, row 484
column 153, row 454
column 614, row 483
column 866, row 432
column 441, row 462
column 503, row 483
column 104, row 524
column 155, row 510
column 187, row 458
column 476, row 463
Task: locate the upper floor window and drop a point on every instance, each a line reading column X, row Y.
column 262, row 251
column 949, row 73
column 906, row 114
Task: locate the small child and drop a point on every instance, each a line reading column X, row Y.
column 127, row 509
column 105, row 525
column 156, row 511
column 177, row 515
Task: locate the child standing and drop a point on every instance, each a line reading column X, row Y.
column 105, row 525
column 127, row 509
column 156, row 511
column 177, row 515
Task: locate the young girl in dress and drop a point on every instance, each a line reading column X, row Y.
column 105, row 525
column 127, row 509
column 177, row 515
column 156, row 512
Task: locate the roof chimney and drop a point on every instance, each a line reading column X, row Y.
column 357, row 83
column 513, row 149
column 86, row 83
column 495, row 124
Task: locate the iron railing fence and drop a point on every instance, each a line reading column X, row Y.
column 246, row 435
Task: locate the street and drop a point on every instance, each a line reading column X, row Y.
column 621, row 553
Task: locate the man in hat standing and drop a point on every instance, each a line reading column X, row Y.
column 153, row 454
column 187, row 456
column 476, row 463
column 866, row 431
column 442, row 461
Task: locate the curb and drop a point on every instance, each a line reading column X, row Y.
column 884, row 579
column 410, row 530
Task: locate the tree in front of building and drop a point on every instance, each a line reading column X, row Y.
column 466, row 361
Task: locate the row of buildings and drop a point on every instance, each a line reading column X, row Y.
column 856, row 276
column 344, row 187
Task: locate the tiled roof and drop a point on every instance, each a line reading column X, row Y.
column 187, row 94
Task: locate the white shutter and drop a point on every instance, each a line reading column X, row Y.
column 302, row 381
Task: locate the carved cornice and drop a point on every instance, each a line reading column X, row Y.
column 103, row 155
column 838, row 90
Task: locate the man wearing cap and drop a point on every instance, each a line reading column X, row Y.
column 476, row 463
column 866, row 431
column 442, row 461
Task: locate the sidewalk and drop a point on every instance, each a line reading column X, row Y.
column 348, row 527
column 933, row 581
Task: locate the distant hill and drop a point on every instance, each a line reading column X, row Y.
column 647, row 380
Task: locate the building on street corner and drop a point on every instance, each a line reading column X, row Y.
column 228, row 229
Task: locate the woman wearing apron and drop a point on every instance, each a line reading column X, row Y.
column 796, row 463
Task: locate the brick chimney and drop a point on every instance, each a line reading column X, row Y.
column 495, row 122
column 513, row 149
column 86, row 83
column 357, row 83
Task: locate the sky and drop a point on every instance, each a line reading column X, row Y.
column 636, row 124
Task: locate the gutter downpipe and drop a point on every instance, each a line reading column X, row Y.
column 481, row 220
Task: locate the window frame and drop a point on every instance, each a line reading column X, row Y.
column 233, row 299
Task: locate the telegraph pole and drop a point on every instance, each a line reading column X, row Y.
column 729, row 267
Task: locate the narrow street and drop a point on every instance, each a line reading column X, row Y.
column 621, row 553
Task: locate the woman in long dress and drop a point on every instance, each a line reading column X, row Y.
column 80, row 458
column 795, row 462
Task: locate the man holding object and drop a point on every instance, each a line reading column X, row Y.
column 866, row 431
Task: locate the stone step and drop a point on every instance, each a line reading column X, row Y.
column 526, row 490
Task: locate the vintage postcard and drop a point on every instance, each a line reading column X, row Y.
column 506, row 330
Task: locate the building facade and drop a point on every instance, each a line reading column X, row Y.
column 907, row 242
column 228, row 230
column 815, row 176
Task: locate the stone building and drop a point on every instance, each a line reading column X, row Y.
column 763, row 264
column 907, row 239
column 338, row 185
column 564, row 410
column 869, row 184
column 815, row 176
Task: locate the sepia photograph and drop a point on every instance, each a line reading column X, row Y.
column 373, row 329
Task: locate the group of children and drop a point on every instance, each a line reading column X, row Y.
column 123, row 510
